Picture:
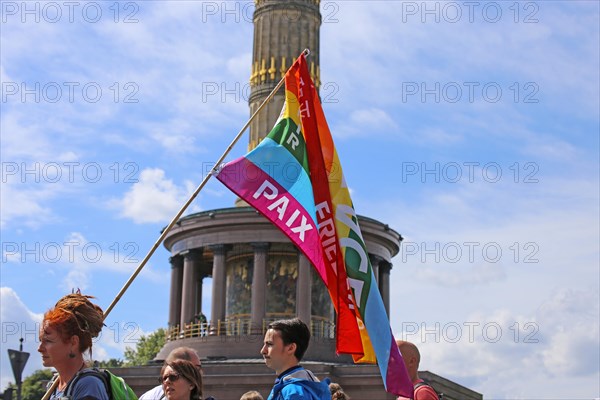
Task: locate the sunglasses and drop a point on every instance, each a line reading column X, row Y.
column 171, row 377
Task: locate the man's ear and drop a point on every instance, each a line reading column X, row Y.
column 292, row 348
column 413, row 360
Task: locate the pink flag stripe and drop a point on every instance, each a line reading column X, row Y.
column 272, row 200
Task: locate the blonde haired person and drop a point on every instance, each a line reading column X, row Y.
column 251, row 395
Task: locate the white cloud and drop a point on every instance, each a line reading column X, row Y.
column 175, row 143
column 573, row 350
column 547, row 294
column 427, row 51
column 491, row 352
column 161, row 66
column 28, row 206
column 17, row 321
column 365, row 123
column 3, row 76
column 475, row 274
column 372, row 116
column 23, row 138
column 76, row 278
column 115, row 338
column 79, row 259
column 153, row 199
column 439, row 136
column 240, row 65
column 551, row 149
column 572, row 317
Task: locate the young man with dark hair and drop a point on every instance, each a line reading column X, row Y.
column 284, row 346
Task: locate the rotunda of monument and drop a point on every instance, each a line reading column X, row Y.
column 257, row 276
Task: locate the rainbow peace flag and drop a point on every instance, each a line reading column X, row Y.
column 294, row 178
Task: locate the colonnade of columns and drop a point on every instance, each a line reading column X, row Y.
column 185, row 300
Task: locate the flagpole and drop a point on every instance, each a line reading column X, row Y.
column 165, row 231
column 191, row 198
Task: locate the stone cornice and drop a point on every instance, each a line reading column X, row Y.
column 245, row 225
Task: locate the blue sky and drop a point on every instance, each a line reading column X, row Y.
column 472, row 128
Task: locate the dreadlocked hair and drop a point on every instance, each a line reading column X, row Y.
column 76, row 315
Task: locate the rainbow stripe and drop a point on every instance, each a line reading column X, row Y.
column 294, row 178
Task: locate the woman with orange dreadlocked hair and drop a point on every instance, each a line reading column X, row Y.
column 65, row 335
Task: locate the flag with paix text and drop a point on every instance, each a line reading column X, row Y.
column 294, row 178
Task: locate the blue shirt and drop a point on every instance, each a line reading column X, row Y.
column 87, row 387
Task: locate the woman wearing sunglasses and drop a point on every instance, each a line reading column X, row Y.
column 181, row 380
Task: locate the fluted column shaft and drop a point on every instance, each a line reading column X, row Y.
column 198, row 295
column 175, row 292
column 384, row 284
column 218, row 288
column 375, row 260
column 259, row 287
column 303, row 290
column 188, row 295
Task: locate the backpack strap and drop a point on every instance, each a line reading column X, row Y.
column 418, row 385
column 84, row 372
column 51, row 381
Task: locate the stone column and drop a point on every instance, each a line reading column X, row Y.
column 175, row 294
column 303, row 289
column 259, row 288
column 198, row 299
column 218, row 287
column 375, row 260
column 384, row 284
column 188, row 295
